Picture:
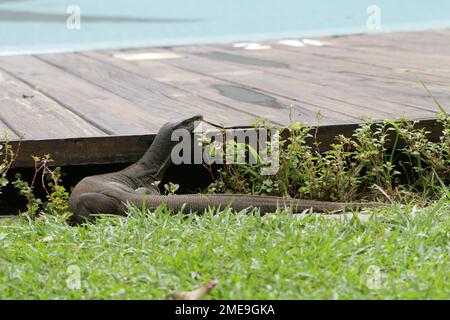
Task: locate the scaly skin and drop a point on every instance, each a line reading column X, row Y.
column 109, row 193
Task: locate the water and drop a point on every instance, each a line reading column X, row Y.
column 28, row 26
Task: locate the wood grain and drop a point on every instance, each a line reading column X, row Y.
column 103, row 109
column 143, row 90
column 34, row 116
column 304, row 92
column 88, row 150
column 354, row 87
column 206, row 87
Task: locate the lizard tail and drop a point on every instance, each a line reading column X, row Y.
column 266, row 204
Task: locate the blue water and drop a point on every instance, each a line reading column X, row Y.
column 40, row 25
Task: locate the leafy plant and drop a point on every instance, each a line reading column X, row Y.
column 56, row 195
column 171, row 188
column 390, row 160
column 7, row 157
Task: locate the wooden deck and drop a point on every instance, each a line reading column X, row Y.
column 105, row 107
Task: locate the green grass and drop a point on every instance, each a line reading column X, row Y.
column 148, row 256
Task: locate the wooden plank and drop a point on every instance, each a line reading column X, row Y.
column 34, row 116
column 342, row 59
column 104, row 110
column 207, row 88
column 323, row 95
column 127, row 149
column 404, row 66
column 427, row 42
column 365, row 78
column 366, row 90
column 264, row 81
column 87, row 150
column 143, row 90
column 395, row 58
column 192, row 85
